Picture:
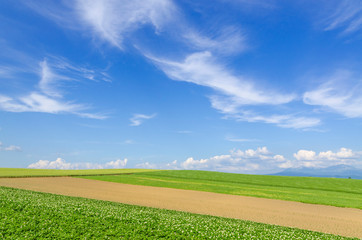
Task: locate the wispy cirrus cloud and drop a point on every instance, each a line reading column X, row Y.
column 114, row 21
column 202, row 68
column 281, row 120
column 234, row 139
column 346, row 16
column 60, row 163
column 138, row 119
column 47, row 97
column 229, row 41
column 117, row 22
column 339, row 93
column 234, row 93
column 10, row 148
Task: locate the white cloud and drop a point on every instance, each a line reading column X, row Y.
column 37, row 102
column 229, row 41
column 305, row 155
column 48, row 78
column 347, row 15
column 128, row 141
column 184, row 132
column 284, row 121
column 117, row 21
column 248, row 161
column 262, row 161
column 340, row 93
column 147, row 165
column 234, row 139
column 116, row 164
column 11, row 148
column 138, row 119
column 62, row 164
column 270, row 4
column 48, row 99
column 202, row 69
column 308, row 158
column 114, row 20
column 235, row 93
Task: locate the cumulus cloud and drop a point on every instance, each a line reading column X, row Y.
column 260, row 160
column 138, row 119
column 248, row 161
column 308, row 158
column 340, row 93
column 147, row 165
column 59, row 163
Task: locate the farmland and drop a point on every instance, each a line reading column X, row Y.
column 34, row 215
column 326, row 191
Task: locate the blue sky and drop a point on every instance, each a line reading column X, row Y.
column 247, row 86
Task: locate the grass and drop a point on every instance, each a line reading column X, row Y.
column 33, row 215
column 26, row 172
column 326, row 191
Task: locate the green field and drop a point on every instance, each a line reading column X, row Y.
column 327, row 191
column 26, row 172
column 33, row 215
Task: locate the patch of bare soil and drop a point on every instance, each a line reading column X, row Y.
column 328, row 219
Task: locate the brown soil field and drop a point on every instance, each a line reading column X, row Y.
column 327, row 219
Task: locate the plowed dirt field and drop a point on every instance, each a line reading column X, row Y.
column 328, row 219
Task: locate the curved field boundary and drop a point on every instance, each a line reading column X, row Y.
column 327, row 219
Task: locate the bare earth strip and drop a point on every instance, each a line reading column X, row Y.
column 328, row 219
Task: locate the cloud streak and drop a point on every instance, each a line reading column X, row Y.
column 11, row 148
column 284, row 121
column 47, row 98
column 138, row 119
column 115, row 21
column 347, row 16
column 340, row 93
column 202, row 69
column 233, row 93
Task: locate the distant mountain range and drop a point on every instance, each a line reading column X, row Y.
column 337, row 171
